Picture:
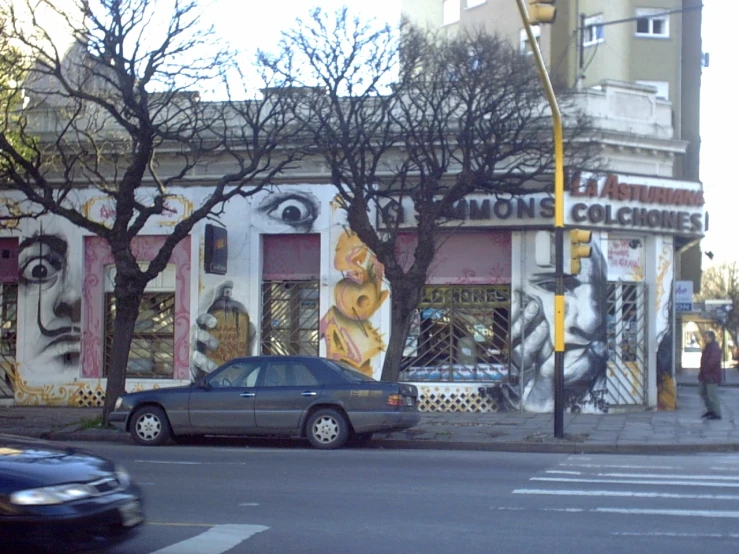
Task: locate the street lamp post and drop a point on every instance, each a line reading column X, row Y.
column 545, row 13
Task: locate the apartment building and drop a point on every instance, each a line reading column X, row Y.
column 651, row 42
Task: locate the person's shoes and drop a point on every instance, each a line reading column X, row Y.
column 714, row 416
column 707, row 415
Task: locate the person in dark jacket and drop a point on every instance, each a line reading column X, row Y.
column 710, row 376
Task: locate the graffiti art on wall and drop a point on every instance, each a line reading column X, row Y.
column 290, row 211
column 666, row 385
column 223, row 331
column 49, row 289
column 532, row 336
column 346, row 328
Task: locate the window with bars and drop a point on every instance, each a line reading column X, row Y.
column 152, row 346
column 8, row 335
column 459, row 333
column 290, row 318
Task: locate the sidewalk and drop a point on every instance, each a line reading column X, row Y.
column 679, row 431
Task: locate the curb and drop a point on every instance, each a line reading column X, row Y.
column 543, row 447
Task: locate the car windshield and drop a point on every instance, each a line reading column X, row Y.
column 349, row 372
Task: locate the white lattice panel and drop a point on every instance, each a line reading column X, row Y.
column 440, row 397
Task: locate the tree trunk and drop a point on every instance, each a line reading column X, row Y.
column 403, row 303
column 127, row 301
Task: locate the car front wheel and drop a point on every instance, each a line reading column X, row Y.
column 149, row 426
column 327, row 429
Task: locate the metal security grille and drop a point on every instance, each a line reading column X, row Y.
column 152, row 346
column 627, row 352
column 459, row 333
column 290, row 318
column 8, row 337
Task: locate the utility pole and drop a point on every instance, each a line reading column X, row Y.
column 539, row 12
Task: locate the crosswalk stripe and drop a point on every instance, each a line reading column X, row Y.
column 621, row 466
column 216, row 540
column 646, row 475
column 681, row 513
column 637, row 482
column 626, row 494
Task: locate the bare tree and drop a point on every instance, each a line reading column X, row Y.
column 408, row 116
column 117, row 110
column 721, row 282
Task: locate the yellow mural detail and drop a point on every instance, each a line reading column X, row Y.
column 83, row 394
column 666, row 386
column 9, row 209
column 666, row 393
column 663, row 266
column 346, row 329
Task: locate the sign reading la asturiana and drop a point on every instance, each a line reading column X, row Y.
column 639, row 205
column 611, row 201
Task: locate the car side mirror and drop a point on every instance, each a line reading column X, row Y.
column 203, row 384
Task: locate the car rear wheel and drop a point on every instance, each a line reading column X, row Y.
column 150, row 427
column 327, row 429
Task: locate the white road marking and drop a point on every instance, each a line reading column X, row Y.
column 627, row 494
column 668, row 476
column 646, row 475
column 249, row 504
column 216, row 540
column 569, row 510
column 677, row 535
column 679, row 513
column 167, row 462
column 624, row 466
column 637, row 482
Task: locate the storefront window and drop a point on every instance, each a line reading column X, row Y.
column 459, row 333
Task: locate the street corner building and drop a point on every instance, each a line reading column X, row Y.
column 282, row 273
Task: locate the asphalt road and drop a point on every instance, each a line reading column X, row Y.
column 217, row 499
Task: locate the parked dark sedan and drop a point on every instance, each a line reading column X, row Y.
column 59, row 499
column 322, row 400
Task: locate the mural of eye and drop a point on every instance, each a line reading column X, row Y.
column 41, row 268
column 297, row 210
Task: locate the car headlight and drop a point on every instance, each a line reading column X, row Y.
column 124, row 478
column 51, row 495
column 118, row 403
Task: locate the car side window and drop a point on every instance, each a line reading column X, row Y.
column 303, row 376
column 276, row 376
column 289, row 375
column 238, row 374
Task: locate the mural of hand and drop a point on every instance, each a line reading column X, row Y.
column 205, row 342
column 531, row 343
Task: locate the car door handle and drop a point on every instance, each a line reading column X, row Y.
column 247, row 395
column 309, row 393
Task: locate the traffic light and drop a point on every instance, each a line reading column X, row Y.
column 541, row 11
column 579, row 248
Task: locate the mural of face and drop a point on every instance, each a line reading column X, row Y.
column 51, row 289
column 586, row 347
column 290, row 211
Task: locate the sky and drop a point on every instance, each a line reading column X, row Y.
column 718, row 120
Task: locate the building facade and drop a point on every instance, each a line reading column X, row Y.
column 651, row 42
column 281, row 273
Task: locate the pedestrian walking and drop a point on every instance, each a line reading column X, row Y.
column 710, row 376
